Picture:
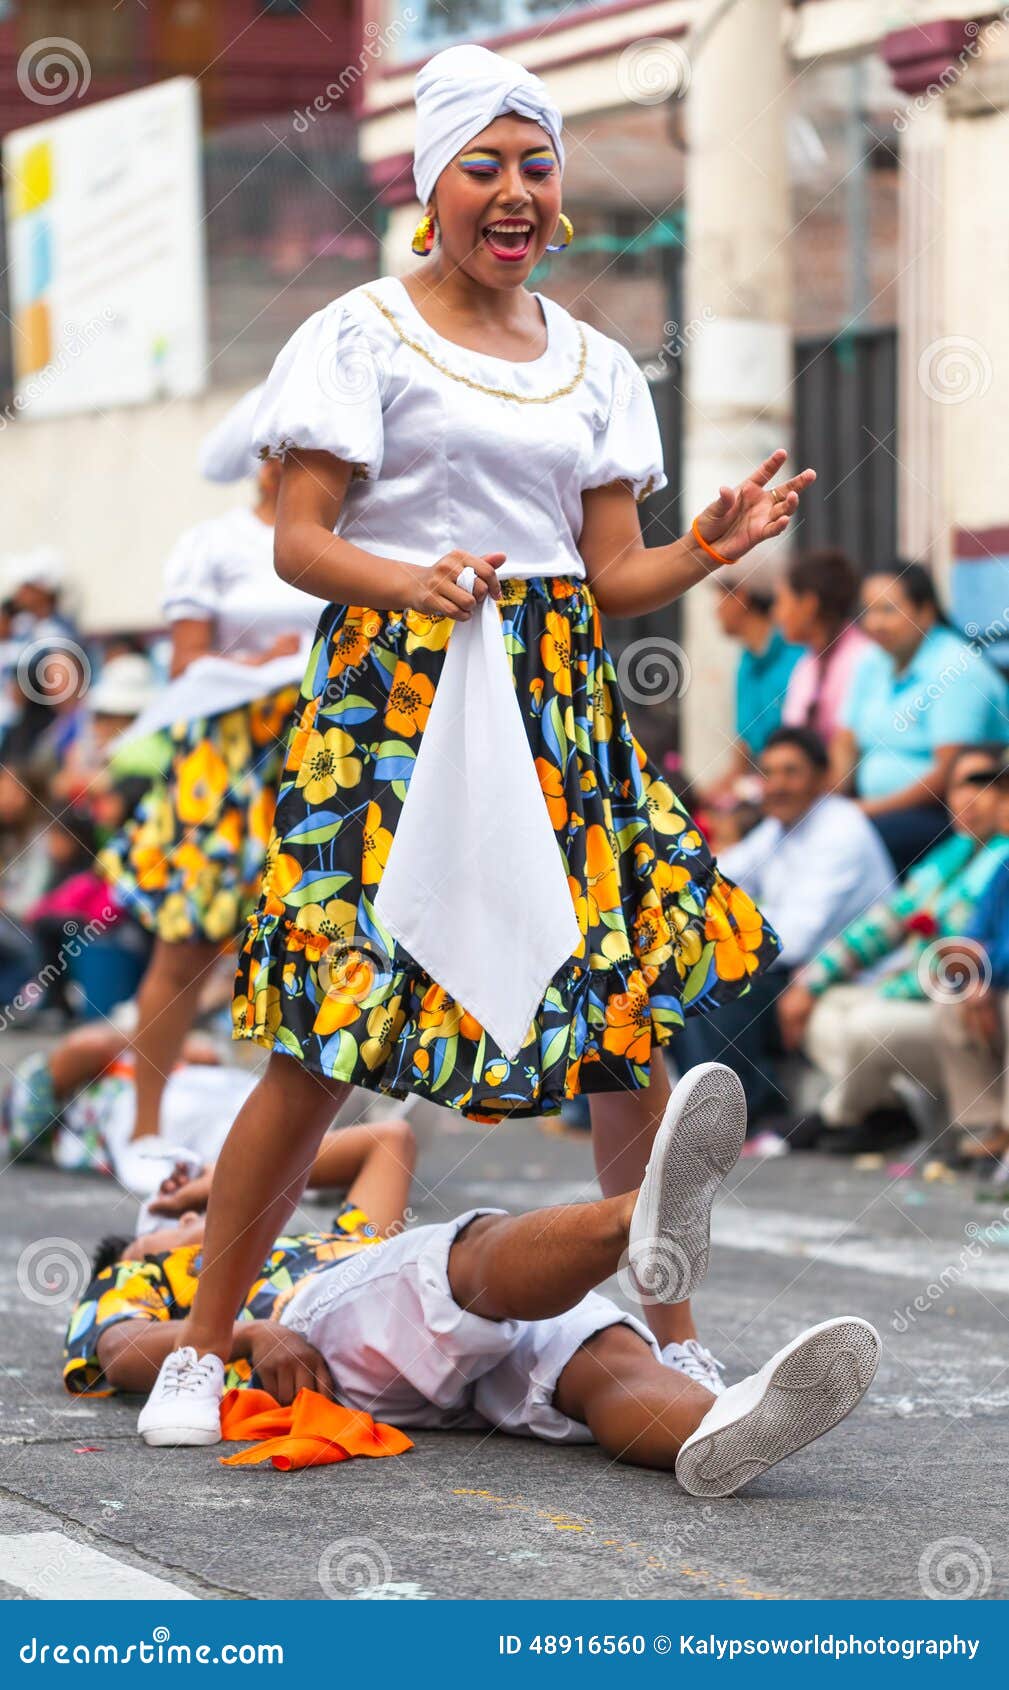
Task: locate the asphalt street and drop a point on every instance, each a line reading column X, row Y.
column 906, row 1499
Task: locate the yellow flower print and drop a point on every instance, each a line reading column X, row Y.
column 440, row 1016
column 603, row 881
column 336, row 920
column 653, row 939
column 174, row 920
column 357, row 630
column 427, row 633
column 347, row 977
column 670, row 878
column 536, row 694
column 301, row 735
column 269, row 718
column 735, row 945
column 233, row 738
column 628, row 1021
column 581, row 908
column 664, row 813
column 375, row 846
column 555, row 650
column 602, row 711
column 221, row 918
column 552, row 785
column 687, row 946
column 192, row 862
column 281, row 872
column 261, row 812
column 328, row 765
column 267, row 1012
column 409, row 702
column 383, row 1025
column 202, row 783
column 613, row 948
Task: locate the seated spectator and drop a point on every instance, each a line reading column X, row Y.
column 865, row 1034
column 25, row 873
column 918, row 695
column 124, row 688
column 815, row 607
column 488, row 1321
column 765, row 664
column 813, row 864
column 973, row 1029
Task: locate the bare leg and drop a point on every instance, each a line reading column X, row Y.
column 529, row 1267
column 167, row 1003
column 374, row 1164
column 259, row 1177
column 624, row 1123
column 637, row 1410
column 82, row 1056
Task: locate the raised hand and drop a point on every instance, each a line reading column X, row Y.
column 741, row 517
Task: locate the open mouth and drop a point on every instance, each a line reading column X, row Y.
column 509, row 239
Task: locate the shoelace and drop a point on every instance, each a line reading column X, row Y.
column 698, row 1364
column 187, row 1374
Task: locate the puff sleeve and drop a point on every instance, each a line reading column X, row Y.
column 627, row 444
column 324, row 393
column 191, row 589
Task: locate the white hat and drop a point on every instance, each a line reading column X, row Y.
column 226, row 453
column 125, row 686
column 458, row 93
column 41, row 567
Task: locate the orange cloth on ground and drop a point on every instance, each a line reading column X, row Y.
column 311, row 1432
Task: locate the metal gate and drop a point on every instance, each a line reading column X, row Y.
column 846, row 428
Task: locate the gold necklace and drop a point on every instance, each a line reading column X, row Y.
column 479, row 386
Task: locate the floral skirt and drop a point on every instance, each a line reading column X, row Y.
column 662, row 932
column 189, row 863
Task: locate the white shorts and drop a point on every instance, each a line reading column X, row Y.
column 401, row 1348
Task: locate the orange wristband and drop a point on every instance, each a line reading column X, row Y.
column 702, row 542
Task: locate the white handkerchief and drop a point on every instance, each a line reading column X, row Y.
column 475, row 887
column 212, row 685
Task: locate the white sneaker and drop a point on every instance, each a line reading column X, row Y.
column 185, row 1404
column 700, row 1138
column 142, row 1164
column 697, row 1363
column 799, row 1394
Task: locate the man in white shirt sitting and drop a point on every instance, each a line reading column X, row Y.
column 813, row 864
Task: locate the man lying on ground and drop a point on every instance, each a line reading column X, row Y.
column 486, row 1321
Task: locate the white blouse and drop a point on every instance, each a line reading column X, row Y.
column 455, row 448
column 222, row 571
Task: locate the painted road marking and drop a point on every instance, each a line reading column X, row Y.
column 53, row 1568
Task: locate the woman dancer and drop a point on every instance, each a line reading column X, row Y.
column 459, row 422
column 189, row 863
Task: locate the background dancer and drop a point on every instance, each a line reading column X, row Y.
column 189, row 863
column 463, row 411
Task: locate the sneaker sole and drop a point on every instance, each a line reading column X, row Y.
column 701, row 1136
column 170, row 1437
column 816, row 1383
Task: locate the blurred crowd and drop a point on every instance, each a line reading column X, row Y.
column 66, row 787
column 864, row 804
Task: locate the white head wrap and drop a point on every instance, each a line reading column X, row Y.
column 226, row 453
column 462, row 90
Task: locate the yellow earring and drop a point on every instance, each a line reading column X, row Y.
column 569, row 234
column 423, row 236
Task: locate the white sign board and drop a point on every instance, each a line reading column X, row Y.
column 105, row 239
